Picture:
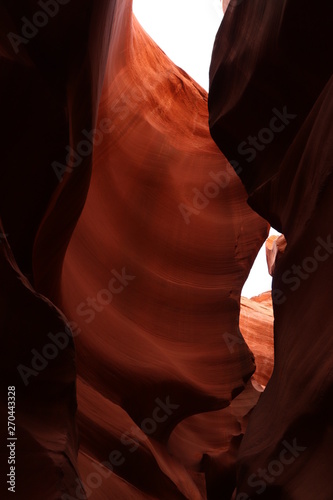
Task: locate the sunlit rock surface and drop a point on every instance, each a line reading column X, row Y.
column 256, row 324
column 271, row 113
column 275, row 246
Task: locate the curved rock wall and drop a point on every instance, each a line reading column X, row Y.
column 271, row 112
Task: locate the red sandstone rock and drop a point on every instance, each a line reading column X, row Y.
column 264, row 52
column 256, row 325
column 145, row 242
column 274, row 245
column 163, row 336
